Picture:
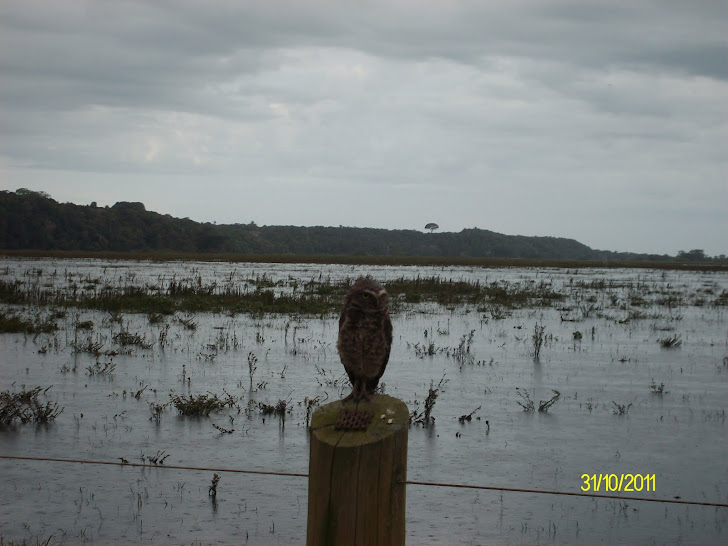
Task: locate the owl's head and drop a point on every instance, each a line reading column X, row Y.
column 368, row 295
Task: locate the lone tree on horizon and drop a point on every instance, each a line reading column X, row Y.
column 432, row 226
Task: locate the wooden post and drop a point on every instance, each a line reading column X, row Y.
column 356, row 478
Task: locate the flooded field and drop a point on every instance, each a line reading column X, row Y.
column 219, row 365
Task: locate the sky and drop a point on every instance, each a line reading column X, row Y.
column 597, row 120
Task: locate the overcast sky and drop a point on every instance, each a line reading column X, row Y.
column 603, row 121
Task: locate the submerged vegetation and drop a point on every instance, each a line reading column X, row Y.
column 670, row 342
column 425, row 417
column 25, row 407
column 200, row 405
column 258, row 295
column 538, row 339
column 14, row 324
column 543, row 405
column 201, row 360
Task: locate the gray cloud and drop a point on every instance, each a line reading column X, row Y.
column 601, row 121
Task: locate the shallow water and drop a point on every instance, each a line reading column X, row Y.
column 678, row 436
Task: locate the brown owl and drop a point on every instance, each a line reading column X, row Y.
column 365, row 337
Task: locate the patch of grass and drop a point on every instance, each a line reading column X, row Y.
column 25, row 542
column 425, row 417
column 14, row 324
column 85, row 325
column 328, row 378
column 158, row 256
column 670, row 342
column 90, row 346
column 538, row 339
column 527, row 403
column 315, row 297
column 223, row 430
column 212, row 490
column 25, row 407
column 252, row 366
column 462, row 354
column 157, row 459
column 202, row 404
column 311, row 404
column 115, row 317
column 468, row 416
column 721, row 300
column 426, row 349
column 125, row 338
column 279, row 410
column 658, row 389
column 451, row 292
column 544, row 405
column 188, row 322
column 155, row 318
column 156, row 411
column 101, row 369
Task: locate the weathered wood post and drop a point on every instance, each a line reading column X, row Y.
column 357, row 473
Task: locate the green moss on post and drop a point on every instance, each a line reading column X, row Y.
column 356, row 484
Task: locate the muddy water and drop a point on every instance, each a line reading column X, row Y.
column 678, row 436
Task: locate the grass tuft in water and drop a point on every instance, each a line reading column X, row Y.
column 538, row 339
column 620, row 409
column 25, row 407
column 315, row 297
column 125, row 338
column 202, row 404
column 104, row 369
column 279, row 410
column 544, row 405
column 670, row 342
column 156, row 410
column 527, row 403
column 212, row 490
column 468, row 416
column 425, row 417
column 658, row 389
column 14, row 324
column 25, row 542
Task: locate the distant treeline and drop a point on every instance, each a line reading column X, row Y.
column 33, row 221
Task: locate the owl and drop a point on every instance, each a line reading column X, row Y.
column 365, row 337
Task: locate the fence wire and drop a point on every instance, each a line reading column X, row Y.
column 408, row 482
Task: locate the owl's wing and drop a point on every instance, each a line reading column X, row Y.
column 342, row 318
column 388, row 337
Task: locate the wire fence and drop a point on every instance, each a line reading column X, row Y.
column 408, row 482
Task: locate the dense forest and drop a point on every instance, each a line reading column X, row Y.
column 32, row 220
